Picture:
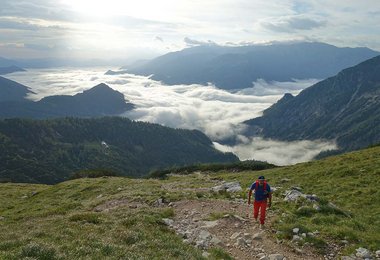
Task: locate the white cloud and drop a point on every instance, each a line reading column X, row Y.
column 132, row 30
column 217, row 113
column 277, row 152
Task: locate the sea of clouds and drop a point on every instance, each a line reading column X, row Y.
column 217, row 113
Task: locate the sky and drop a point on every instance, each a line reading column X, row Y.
column 132, row 30
column 216, row 112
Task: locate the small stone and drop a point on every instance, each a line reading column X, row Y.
column 24, row 197
column 276, row 257
column 99, row 196
column 260, row 255
column 296, row 238
column 285, row 180
column 210, row 224
column 119, row 189
column 235, row 235
column 257, row 236
column 344, row 242
column 240, row 242
column 303, row 235
column 264, row 258
column 1, row 218
column 296, row 230
column 377, row 253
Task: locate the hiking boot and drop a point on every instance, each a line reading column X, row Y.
column 262, row 226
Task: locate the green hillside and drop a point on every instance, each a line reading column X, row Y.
column 118, row 218
column 49, row 151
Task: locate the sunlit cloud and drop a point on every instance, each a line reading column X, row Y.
column 216, row 112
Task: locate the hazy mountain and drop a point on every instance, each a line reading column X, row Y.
column 345, row 107
column 10, row 69
column 48, row 151
column 98, row 101
column 238, row 67
column 12, row 91
column 6, row 62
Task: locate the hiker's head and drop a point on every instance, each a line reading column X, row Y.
column 261, row 179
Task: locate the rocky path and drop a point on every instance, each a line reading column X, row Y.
column 232, row 230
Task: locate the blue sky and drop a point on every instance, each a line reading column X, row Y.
column 142, row 29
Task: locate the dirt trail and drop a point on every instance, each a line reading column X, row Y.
column 189, row 221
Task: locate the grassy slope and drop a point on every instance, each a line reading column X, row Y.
column 58, row 222
column 350, row 181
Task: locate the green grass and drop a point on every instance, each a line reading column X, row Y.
column 350, row 181
column 59, row 222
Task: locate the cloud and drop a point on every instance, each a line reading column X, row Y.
column 277, row 152
column 264, row 88
column 292, row 23
column 192, row 42
column 217, row 113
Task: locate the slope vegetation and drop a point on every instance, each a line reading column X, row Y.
column 49, row 151
column 117, row 217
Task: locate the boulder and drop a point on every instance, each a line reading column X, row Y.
column 228, row 186
column 169, row 222
column 363, row 253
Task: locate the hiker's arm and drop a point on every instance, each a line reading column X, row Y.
column 249, row 196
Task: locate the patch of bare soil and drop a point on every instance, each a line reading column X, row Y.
column 234, row 231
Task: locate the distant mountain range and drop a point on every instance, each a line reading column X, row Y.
column 10, row 69
column 100, row 100
column 49, row 151
column 238, row 67
column 345, row 108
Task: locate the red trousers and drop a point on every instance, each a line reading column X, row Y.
column 262, row 207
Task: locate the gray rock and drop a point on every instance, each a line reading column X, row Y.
column 292, row 195
column 210, row 224
column 204, row 235
column 296, row 238
column 303, row 235
column 258, row 236
column 202, row 244
column 285, row 180
column 377, row 253
column 240, row 242
column 296, row 188
column 228, row 186
column 1, row 218
column 235, row 235
column 260, row 255
column 296, row 230
column 216, row 241
column 363, row 253
column 264, row 258
column 169, row 222
column 276, row 257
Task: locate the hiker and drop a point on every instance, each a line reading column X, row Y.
column 262, row 194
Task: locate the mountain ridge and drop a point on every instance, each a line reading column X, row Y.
column 345, row 108
column 100, row 100
column 239, row 67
